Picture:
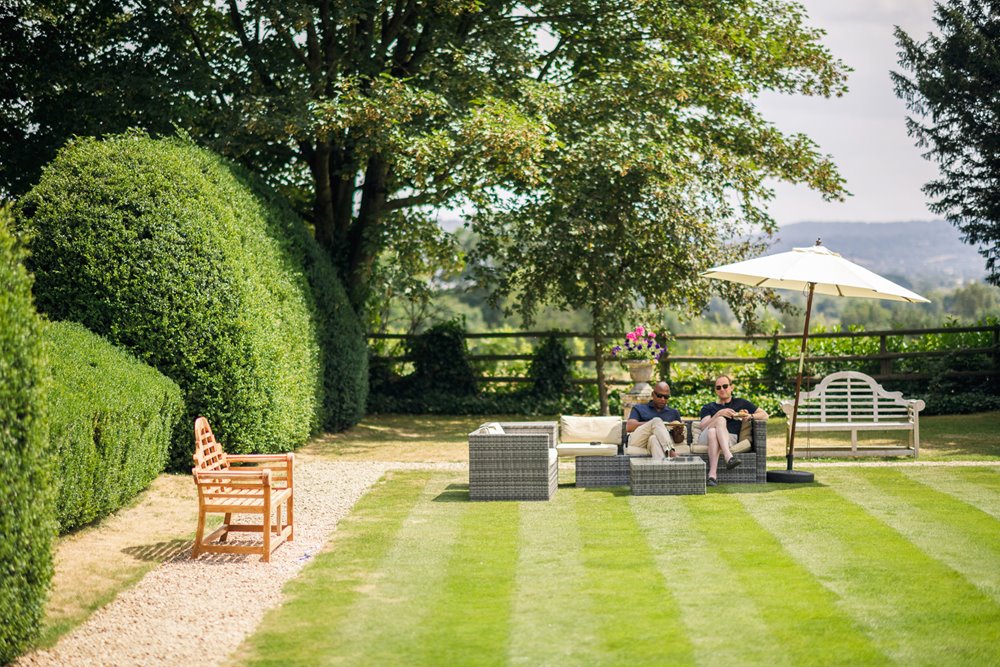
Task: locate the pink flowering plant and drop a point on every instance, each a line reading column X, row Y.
column 640, row 345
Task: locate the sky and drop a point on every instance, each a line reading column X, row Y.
column 864, row 131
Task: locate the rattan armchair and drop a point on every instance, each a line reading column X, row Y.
column 516, row 461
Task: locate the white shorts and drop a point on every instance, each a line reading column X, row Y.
column 703, row 438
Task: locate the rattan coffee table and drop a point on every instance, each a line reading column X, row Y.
column 670, row 477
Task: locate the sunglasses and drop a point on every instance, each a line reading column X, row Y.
column 721, row 386
column 659, row 395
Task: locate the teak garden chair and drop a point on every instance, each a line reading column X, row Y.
column 257, row 484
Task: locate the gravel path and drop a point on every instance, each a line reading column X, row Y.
column 198, row 612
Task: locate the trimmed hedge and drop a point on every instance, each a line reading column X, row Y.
column 172, row 252
column 111, row 420
column 26, row 509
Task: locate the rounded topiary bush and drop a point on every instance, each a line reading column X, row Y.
column 163, row 248
column 26, row 510
column 111, row 419
column 341, row 337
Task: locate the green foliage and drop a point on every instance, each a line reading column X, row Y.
column 663, row 164
column 162, row 248
column 27, row 522
column 550, row 369
column 952, row 94
column 112, row 419
column 440, row 362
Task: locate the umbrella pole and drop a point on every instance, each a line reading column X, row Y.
column 790, row 453
column 789, row 475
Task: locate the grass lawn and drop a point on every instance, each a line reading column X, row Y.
column 867, row 566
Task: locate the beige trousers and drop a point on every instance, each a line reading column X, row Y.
column 654, row 437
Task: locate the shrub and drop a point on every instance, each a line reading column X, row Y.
column 440, row 362
column 164, row 249
column 111, row 419
column 26, row 510
column 550, row 369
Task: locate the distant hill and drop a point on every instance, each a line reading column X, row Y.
column 930, row 252
column 921, row 251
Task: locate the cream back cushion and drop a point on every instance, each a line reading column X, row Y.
column 607, row 430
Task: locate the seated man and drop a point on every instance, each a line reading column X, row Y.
column 720, row 425
column 647, row 425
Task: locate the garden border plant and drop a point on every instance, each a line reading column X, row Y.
column 188, row 261
column 27, row 522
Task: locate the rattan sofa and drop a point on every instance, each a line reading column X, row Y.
column 513, row 461
column 614, row 470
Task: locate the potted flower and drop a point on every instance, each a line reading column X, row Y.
column 639, row 353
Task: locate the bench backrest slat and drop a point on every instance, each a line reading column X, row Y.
column 852, row 397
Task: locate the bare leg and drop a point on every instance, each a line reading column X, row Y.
column 718, row 442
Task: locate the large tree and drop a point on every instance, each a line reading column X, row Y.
column 663, row 164
column 368, row 112
column 952, row 92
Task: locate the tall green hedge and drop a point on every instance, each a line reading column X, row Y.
column 111, row 420
column 26, row 508
column 172, row 252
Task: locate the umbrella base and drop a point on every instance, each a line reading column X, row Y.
column 790, row 476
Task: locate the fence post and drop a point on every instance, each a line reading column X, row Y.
column 996, row 356
column 885, row 365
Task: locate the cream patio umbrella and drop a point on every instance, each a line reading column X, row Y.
column 816, row 270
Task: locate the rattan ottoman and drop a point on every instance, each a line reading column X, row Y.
column 597, row 471
column 670, row 477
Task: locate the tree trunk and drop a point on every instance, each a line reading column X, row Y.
column 363, row 240
column 319, row 165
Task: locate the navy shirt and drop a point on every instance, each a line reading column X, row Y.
column 647, row 412
column 737, row 404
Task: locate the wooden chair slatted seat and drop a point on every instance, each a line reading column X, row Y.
column 258, row 484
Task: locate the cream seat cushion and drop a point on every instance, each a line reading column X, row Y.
column 742, row 445
column 606, row 430
column 584, row 449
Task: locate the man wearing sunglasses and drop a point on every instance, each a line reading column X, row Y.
column 720, row 425
column 647, row 426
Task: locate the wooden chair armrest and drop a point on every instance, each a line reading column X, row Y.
column 252, row 458
column 242, row 476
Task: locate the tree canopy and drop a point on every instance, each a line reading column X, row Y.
column 952, row 92
column 371, row 113
column 663, row 162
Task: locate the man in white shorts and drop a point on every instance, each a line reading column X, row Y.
column 720, row 425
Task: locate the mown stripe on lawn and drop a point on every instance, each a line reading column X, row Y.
column 551, row 615
column 305, row 630
column 915, row 609
column 979, row 487
column 686, row 559
column 468, row 615
column 943, row 527
column 799, row 614
column 388, row 614
column 636, row 620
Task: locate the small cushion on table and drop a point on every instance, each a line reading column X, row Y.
column 581, row 449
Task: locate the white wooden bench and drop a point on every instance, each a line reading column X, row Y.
column 852, row 401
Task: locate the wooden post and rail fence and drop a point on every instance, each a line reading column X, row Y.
column 885, row 357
